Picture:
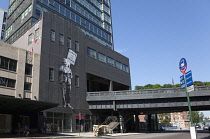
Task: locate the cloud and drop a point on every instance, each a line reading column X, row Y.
column 122, row 50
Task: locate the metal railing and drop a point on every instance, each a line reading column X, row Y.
column 144, row 91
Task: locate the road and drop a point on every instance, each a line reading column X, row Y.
column 163, row 135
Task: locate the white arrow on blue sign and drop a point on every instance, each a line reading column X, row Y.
column 189, row 79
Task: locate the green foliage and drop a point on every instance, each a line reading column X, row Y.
column 198, row 83
column 157, row 86
column 167, row 122
column 197, row 116
column 167, row 86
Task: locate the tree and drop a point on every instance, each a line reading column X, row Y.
column 167, row 86
column 139, row 87
column 197, row 116
column 165, row 118
column 198, row 83
column 206, row 83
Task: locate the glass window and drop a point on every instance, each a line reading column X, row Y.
column 76, row 46
column 52, row 35
column 61, row 39
column 119, row 65
column 101, row 57
column 51, row 74
column 36, row 37
column 7, row 82
column 110, row 61
column 69, row 43
column 27, row 86
column 3, row 81
column 28, row 69
column 91, row 53
column 8, row 64
column 127, row 69
column 76, row 81
column 30, row 39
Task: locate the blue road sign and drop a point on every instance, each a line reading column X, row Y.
column 182, row 82
column 183, row 65
column 189, row 79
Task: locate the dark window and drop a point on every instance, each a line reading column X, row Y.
column 8, row 64
column 30, row 39
column 36, row 37
column 28, row 69
column 110, row 61
column 7, row 82
column 52, row 35
column 69, row 43
column 101, row 57
column 76, row 46
column 91, row 53
column 76, row 81
column 51, row 74
column 61, row 39
column 27, row 86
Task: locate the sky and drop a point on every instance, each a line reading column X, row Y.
column 156, row 34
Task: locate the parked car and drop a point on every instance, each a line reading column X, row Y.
column 198, row 126
column 206, row 127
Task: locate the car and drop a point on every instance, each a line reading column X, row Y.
column 198, row 126
column 206, row 127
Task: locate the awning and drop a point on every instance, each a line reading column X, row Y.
column 18, row 105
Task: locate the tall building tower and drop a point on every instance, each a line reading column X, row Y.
column 3, row 15
column 93, row 17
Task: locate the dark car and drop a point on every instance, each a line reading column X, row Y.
column 198, row 126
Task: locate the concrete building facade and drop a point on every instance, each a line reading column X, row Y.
column 92, row 16
column 3, row 16
column 58, row 64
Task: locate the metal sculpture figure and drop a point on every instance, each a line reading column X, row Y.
column 66, row 76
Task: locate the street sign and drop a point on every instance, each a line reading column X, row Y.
column 183, row 65
column 189, row 78
column 182, row 82
column 189, row 81
column 190, row 88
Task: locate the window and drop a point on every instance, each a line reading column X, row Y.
column 27, row 86
column 110, row 61
column 76, row 46
column 8, row 64
column 28, row 69
column 119, row 65
column 91, row 53
column 52, row 35
column 61, row 39
column 101, row 57
column 51, row 74
column 76, row 81
column 36, row 37
column 30, row 39
column 69, row 43
column 7, row 82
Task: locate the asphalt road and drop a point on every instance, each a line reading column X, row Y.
column 164, row 135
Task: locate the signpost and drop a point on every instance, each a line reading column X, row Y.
column 187, row 83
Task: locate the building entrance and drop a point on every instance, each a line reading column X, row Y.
column 5, row 123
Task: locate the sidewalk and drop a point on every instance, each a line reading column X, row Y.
column 63, row 135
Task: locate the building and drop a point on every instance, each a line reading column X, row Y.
column 3, row 15
column 92, row 16
column 55, row 64
column 180, row 119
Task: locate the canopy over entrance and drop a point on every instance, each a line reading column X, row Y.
column 18, row 105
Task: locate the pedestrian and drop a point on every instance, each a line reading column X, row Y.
column 26, row 130
column 18, row 129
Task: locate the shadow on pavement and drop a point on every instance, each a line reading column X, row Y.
column 34, row 135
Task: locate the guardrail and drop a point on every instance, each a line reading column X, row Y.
column 144, row 91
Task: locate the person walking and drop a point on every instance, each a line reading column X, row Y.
column 26, row 130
